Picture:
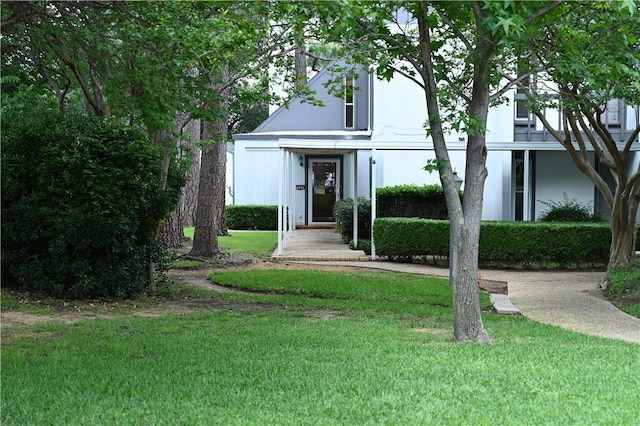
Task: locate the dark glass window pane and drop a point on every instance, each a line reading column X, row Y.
column 348, row 122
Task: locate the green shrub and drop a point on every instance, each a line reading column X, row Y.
column 80, row 203
column 405, row 238
column 343, row 212
column 425, row 201
column 568, row 210
column 502, row 244
column 624, row 281
column 255, row 217
column 363, row 244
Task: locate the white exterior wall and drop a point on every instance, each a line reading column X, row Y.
column 399, row 113
column 500, row 121
column 556, row 175
column 256, row 172
column 229, row 175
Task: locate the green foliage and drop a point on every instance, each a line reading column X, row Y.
column 502, row 244
column 624, row 281
column 80, row 203
column 252, row 217
column 406, row 238
column 363, row 244
column 343, row 212
column 568, row 210
column 425, row 201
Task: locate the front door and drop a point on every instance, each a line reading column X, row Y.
column 324, row 189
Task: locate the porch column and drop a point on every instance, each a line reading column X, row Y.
column 292, row 184
column 373, row 201
column 280, row 200
column 526, row 200
column 285, row 221
column 354, row 191
column 290, row 194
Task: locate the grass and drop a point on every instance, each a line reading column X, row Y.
column 257, row 243
column 316, row 348
column 624, row 289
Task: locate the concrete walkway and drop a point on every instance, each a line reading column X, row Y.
column 567, row 299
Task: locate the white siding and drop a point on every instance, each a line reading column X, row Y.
column 556, row 175
column 256, row 172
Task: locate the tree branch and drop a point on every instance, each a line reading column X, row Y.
column 542, row 11
column 455, row 30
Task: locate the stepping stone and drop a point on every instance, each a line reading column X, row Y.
column 502, row 304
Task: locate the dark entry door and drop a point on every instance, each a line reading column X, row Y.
column 324, row 189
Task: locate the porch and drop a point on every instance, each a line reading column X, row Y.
column 309, row 244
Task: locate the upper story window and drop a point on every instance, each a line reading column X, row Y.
column 349, row 103
column 612, row 113
column 522, row 104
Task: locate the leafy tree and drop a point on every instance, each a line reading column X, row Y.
column 586, row 60
column 157, row 64
column 452, row 51
column 247, row 38
column 80, row 200
column 119, row 55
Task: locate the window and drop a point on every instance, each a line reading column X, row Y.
column 612, row 114
column 522, row 105
column 349, row 103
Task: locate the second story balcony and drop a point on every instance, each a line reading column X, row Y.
column 621, row 120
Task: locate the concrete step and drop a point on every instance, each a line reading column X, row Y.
column 502, row 304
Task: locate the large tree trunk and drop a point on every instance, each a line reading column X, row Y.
column 623, row 231
column 220, row 189
column 211, row 191
column 172, row 230
column 189, row 198
column 464, row 220
column 205, row 239
column 468, row 324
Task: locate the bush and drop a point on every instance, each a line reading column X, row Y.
column 622, row 282
column 80, row 203
column 253, row 217
column 363, row 244
column 425, row 201
column 502, row 244
column 568, row 210
column 343, row 212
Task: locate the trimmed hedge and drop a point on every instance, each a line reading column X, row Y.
column 255, row 217
column 425, row 201
column 502, row 244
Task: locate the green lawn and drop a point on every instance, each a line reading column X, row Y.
column 315, row 348
column 257, row 243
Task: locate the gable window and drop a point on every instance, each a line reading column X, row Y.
column 349, row 103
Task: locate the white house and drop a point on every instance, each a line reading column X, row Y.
column 306, row 157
